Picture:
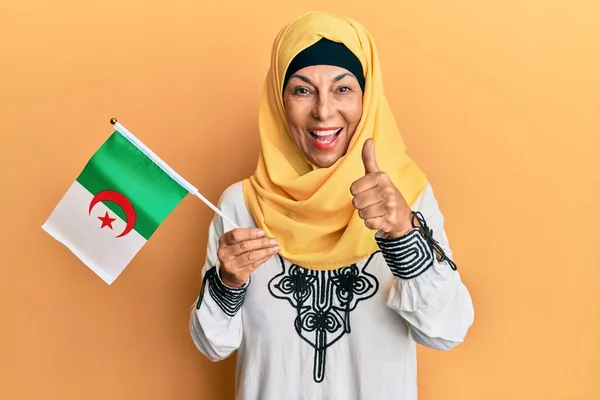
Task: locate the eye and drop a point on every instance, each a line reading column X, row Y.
column 302, row 91
column 344, row 89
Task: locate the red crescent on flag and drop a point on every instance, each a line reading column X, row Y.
column 121, row 201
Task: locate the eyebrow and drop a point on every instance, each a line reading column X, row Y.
column 305, row 79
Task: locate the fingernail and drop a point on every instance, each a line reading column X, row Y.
column 272, row 241
column 276, row 248
column 260, row 233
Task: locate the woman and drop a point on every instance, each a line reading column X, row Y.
column 341, row 264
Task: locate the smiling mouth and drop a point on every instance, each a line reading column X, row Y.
column 325, row 138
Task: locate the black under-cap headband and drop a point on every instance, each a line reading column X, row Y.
column 327, row 52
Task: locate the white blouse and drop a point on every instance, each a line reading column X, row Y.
column 346, row 334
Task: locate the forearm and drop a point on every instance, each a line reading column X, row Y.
column 215, row 319
column 427, row 291
column 436, row 306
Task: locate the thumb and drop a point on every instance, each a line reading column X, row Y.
column 368, row 156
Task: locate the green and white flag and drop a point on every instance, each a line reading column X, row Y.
column 116, row 203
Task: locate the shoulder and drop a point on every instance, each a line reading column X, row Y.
column 427, row 203
column 232, row 204
column 232, row 195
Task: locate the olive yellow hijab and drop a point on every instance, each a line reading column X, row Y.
column 308, row 209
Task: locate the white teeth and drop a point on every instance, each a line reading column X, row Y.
column 324, row 133
column 325, row 137
column 329, row 139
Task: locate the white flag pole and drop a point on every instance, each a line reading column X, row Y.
column 168, row 170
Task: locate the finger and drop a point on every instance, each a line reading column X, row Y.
column 375, row 224
column 251, row 245
column 364, row 183
column 368, row 157
column 254, row 265
column 251, row 257
column 374, row 211
column 367, row 198
column 240, row 234
column 258, row 263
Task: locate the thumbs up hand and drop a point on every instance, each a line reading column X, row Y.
column 378, row 201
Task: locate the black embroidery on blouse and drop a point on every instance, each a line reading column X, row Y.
column 427, row 233
column 408, row 256
column 323, row 301
column 414, row 253
column 228, row 299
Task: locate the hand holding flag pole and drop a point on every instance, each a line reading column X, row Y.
column 235, row 266
column 168, row 170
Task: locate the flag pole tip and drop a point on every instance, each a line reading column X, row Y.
column 113, row 121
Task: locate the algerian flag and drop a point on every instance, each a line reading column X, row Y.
column 115, row 205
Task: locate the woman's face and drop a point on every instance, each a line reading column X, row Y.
column 323, row 106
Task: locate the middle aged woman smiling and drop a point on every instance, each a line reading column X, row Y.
column 342, row 263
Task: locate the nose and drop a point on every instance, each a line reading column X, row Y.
column 324, row 107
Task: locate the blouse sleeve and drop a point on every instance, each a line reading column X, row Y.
column 427, row 291
column 215, row 317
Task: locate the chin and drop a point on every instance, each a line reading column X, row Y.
column 325, row 162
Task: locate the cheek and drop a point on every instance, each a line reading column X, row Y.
column 296, row 120
column 293, row 116
column 353, row 115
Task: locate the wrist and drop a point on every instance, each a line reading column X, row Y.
column 397, row 233
column 401, row 231
column 410, row 223
column 231, row 280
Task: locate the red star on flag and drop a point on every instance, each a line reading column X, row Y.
column 106, row 220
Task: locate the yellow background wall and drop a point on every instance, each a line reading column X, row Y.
column 499, row 102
